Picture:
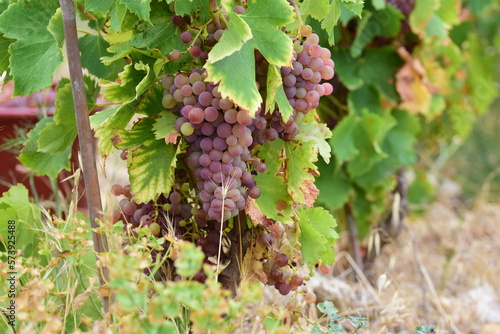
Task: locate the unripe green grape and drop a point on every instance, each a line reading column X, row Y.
column 154, row 228
column 187, row 129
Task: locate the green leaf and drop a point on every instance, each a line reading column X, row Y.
column 150, row 103
column 399, row 141
column 331, row 20
column 385, row 23
column 422, row 13
column 334, row 186
column 15, row 205
column 300, row 168
column 165, row 125
column 347, row 69
column 139, row 7
column 60, row 134
column 192, row 6
column 134, row 81
column 43, row 163
column 36, row 53
column 378, row 4
column 318, row 9
column 343, row 139
column 189, row 260
column 378, row 67
column 311, row 129
column 276, row 94
column 151, row 162
column 4, row 53
column 238, row 32
column 239, row 87
column 355, row 6
column 317, row 235
column 436, row 27
column 265, row 19
column 117, row 119
column 371, row 131
column 98, row 5
column 157, row 38
column 274, row 200
column 117, row 16
column 364, row 98
column 481, row 78
column 92, row 48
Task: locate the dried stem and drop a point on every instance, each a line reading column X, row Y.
column 85, row 137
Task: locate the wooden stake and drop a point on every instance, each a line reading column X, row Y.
column 85, row 138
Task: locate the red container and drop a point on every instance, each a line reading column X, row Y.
column 19, row 114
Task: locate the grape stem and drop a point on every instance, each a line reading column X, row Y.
column 297, row 11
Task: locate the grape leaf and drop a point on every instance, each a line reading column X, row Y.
column 276, row 94
column 238, row 32
column 151, row 162
column 368, row 138
column 274, row 200
column 117, row 120
column 4, row 53
column 93, row 47
column 150, row 103
column 98, row 5
column 385, row 22
column 165, row 125
column 58, row 135
column 161, row 34
column 264, row 18
column 317, row 235
column 331, row 20
column 355, row 6
column 139, row 7
column 378, row 4
column 117, row 16
column 311, row 129
column 300, row 168
column 36, row 53
column 481, row 77
column 364, row 98
column 43, row 163
column 318, row 9
column 343, row 139
column 334, row 185
column 422, row 13
column 15, row 204
column 192, row 6
column 347, row 69
column 239, row 87
column 133, row 81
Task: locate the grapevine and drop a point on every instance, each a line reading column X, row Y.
column 222, row 141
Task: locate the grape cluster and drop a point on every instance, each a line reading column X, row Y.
column 312, row 64
column 277, row 267
column 305, row 82
column 221, row 137
column 157, row 216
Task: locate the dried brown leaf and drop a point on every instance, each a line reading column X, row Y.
column 82, row 298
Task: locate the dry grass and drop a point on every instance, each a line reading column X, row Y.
column 444, row 270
